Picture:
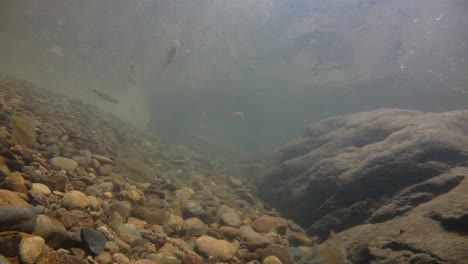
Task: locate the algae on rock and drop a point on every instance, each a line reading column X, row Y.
column 23, row 129
column 134, row 168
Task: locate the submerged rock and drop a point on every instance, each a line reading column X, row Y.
column 345, row 168
column 30, row 248
column 64, row 163
column 209, row 246
column 95, row 241
column 17, row 218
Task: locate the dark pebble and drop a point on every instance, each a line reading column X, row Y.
column 95, row 242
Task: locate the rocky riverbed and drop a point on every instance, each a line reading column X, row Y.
column 81, row 186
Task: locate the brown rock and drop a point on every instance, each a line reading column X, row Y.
column 212, row 247
column 192, row 259
column 281, row 253
column 75, row 199
column 230, row 232
column 30, row 248
column 10, row 198
column 267, row 223
column 195, row 227
column 64, row 163
column 105, row 169
column 154, row 216
column 52, row 257
column 9, row 243
column 143, row 261
column 42, row 188
column 14, row 182
column 272, row 260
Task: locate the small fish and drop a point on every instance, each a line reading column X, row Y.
column 105, row 97
column 132, row 68
column 236, row 115
column 171, row 52
column 131, row 75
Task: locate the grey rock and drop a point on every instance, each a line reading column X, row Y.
column 192, row 209
column 103, row 159
column 345, row 168
column 416, row 194
column 17, row 218
column 51, row 230
column 231, row 218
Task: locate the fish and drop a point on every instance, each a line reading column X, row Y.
column 171, row 52
column 105, row 97
column 131, row 74
column 236, row 115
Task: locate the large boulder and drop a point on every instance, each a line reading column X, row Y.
column 367, row 167
column 433, row 232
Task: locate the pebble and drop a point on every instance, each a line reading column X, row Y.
column 105, row 169
column 64, row 163
column 166, row 258
column 30, row 248
column 267, row 223
column 14, row 182
column 129, row 234
column 42, row 188
column 192, row 259
column 51, row 230
column 103, row 159
column 210, row 246
column 246, row 255
column 195, row 227
column 103, row 258
column 4, row 170
column 112, row 246
column 120, row 258
column 52, row 257
column 272, row 260
column 252, row 239
column 107, row 187
column 191, row 209
column 95, row 202
column 11, row 198
column 19, row 218
column 279, row 252
column 143, row 261
column 231, row 218
column 75, row 199
column 295, row 253
column 54, row 150
column 124, row 208
column 236, row 182
column 230, row 232
column 175, row 222
column 136, row 196
column 82, row 160
column 95, row 241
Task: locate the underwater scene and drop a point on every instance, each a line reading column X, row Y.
column 233, row 131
